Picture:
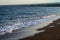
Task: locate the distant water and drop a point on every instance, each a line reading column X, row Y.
column 16, row 17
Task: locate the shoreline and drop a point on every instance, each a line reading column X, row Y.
column 28, row 31
column 52, row 32
column 17, row 26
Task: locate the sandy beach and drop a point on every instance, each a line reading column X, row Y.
column 52, row 32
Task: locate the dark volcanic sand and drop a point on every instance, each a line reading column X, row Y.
column 50, row 33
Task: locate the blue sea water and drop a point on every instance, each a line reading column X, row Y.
column 16, row 17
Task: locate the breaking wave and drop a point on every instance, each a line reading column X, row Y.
column 10, row 26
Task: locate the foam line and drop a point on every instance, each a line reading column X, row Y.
column 19, row 25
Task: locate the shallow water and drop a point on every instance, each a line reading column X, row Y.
column 17, row 17
column 29, row 31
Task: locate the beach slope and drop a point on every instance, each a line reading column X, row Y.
column 52, row 32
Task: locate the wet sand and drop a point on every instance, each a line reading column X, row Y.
column 52, row 32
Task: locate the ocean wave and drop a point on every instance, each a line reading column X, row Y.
column 19, row 25
column 48, row 16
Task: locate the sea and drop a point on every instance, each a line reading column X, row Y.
column 17, row 17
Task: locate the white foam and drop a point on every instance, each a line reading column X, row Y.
column 48, row 16
column 19, row 25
